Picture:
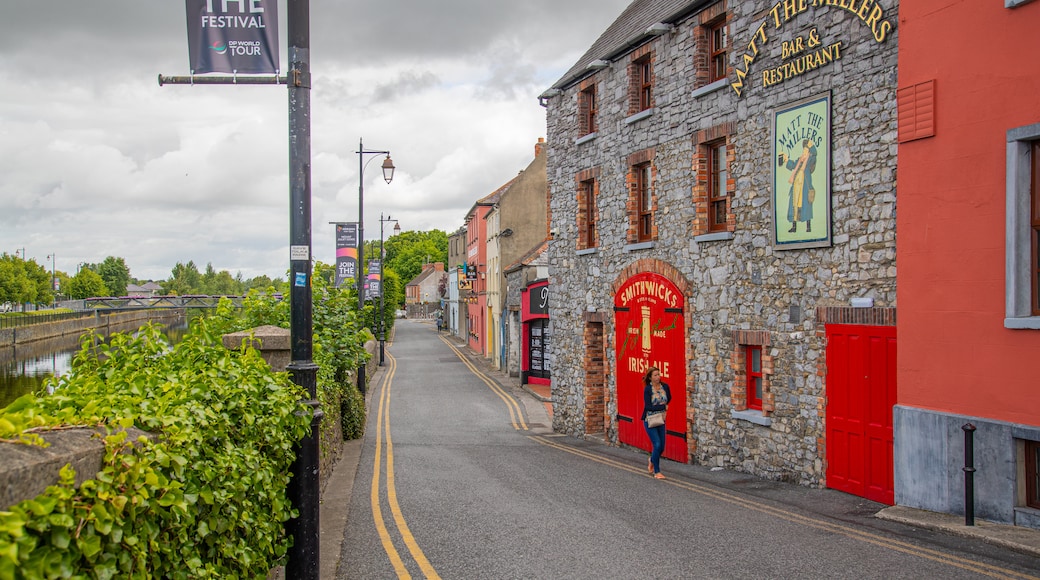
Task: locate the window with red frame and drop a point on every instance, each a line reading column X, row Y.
column 718, row 195
column 1034, row 196
column 753, row 358
column 1033, row 474
column 587, row 109
column 718, row 39
column 645, row 69
column 644, row 195
column 588, row 199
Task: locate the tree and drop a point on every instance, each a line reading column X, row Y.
column 115, row 273
column 408, row 251
column 185, row 279
column 24, row 282
column 85, row 284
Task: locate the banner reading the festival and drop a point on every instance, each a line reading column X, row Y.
column 233, row 36
column 374, row 286
column 346, row 252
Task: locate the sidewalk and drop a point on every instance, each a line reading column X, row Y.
column 335, row 501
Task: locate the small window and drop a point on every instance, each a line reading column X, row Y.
column 1033, row 474
column 587, row 111
column 644, row 194
column 646, row 83
column 753, row 356
column 718, row 43
column 718, row 194
column 588, row 199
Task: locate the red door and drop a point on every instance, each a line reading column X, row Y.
column 650, row 331
column 861, row 391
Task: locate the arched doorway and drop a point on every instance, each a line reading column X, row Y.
column 650, row 331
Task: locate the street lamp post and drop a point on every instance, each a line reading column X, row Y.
column 54, row 292
column 382, row 284
column 388, row 176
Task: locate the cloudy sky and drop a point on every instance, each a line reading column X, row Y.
column 96, row 159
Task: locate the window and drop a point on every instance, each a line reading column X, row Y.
column 587, row 110
column 589, row 213
column 753, row 358
column 646, row 83
column 644, row 195
column 718, row 194
column 718, row 41
column 1022, row 258
column 1034, row 198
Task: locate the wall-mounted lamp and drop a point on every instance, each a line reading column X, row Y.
column 507, row 232
column 597, row 64
column 659, row 28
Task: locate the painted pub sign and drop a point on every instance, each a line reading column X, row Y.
column 802, row 174
column 650, row 332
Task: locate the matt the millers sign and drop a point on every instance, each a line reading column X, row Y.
column 809, row 51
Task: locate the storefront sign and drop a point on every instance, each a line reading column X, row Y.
column 802, row 174
column 806, row 52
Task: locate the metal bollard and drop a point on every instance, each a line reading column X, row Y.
column 969, row 474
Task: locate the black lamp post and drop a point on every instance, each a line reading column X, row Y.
column 382, row 284
column 388, row 175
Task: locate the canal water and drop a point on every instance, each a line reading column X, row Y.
column 26, row 368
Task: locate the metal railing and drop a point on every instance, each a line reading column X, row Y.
column 17, row 321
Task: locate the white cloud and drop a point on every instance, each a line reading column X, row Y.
column 96, row 159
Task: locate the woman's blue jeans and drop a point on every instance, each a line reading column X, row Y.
column 656, row 444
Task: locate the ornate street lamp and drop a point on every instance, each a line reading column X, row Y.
column 388, row 176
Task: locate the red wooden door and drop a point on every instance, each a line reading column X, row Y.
column 861, row 391
column 650, row 331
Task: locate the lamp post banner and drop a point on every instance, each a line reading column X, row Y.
column 346, row 252
column 375, row 278
column 233, row 36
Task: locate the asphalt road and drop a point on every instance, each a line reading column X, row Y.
column 460, row 477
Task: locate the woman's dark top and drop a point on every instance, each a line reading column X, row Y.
column 648, row 403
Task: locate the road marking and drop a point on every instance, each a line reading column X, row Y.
column 871, row 538
column 383, row 427
column 377, row 510
column 516, row 416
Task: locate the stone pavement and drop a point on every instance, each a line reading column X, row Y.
column 336, row 498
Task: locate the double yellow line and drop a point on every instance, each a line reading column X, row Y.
column 849, row 532
column 516, row 416
column 383, row 428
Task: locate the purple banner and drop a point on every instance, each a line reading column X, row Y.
column 233, row 36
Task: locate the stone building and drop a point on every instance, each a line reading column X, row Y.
column 722, row 181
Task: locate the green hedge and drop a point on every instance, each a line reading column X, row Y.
column 207, row 498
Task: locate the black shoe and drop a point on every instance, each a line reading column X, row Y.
column 794, row 227
column 808, row 226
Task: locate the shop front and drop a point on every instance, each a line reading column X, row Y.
column 537, row 334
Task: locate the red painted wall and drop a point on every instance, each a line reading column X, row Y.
column 954, row 353
column 476, row 238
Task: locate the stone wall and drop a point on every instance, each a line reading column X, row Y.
column 739, row 279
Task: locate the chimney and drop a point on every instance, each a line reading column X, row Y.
column 438, row 266
column 539, row 146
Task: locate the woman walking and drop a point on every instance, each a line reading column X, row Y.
column 656, row 396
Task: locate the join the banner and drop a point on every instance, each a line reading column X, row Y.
column 233, row 36
column 346, row 252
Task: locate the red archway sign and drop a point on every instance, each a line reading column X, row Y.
column 650, row 331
